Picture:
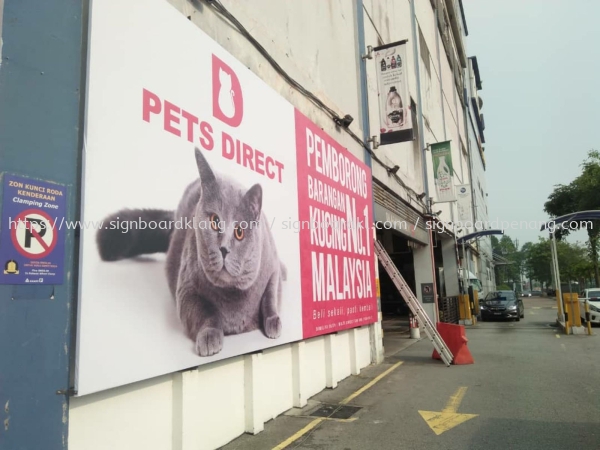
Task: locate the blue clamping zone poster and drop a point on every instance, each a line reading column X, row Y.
column 32, row 231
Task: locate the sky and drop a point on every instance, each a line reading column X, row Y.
column 539, row 62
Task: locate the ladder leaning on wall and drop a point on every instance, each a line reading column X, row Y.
column 413, row 304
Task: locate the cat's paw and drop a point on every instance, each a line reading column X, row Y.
column 273, row 326
column 209, row 341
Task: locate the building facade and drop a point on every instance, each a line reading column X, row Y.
column 314, row 56
column 481, row 259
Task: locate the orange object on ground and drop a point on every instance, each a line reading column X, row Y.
column 456, row 340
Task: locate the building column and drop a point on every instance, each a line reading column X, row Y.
column 424, row 274
column 43, row 54
column 450, row 267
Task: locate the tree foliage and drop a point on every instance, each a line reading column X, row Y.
column 507, row 249
column 582, row 194
column 534, row 261
column 573, row 261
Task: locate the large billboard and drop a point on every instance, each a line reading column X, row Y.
column 218, row 219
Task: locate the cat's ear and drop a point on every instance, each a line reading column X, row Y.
column 206, row 174
column 253, row 201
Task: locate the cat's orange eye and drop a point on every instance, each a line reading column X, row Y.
column 214, row 222
column 238, row 232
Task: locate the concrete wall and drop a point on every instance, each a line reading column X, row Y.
column 389, row 21
column 314, row 41
column 208, row 407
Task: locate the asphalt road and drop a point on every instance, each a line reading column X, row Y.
column 531, row 387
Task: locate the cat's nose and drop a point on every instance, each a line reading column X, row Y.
column 224, row 252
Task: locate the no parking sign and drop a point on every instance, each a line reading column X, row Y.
column 32, row 231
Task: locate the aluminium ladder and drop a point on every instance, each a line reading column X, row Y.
column 413, row 304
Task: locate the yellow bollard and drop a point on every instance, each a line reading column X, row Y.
column 568, row 313
column 587, row 318
column 476, row 299
column 576, row 318
column 464, row 307
column 476, row 305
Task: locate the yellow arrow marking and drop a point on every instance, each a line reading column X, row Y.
column 448, row 418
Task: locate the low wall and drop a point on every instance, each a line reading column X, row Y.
column 207, row 407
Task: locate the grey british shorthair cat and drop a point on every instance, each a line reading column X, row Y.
column 225, row 278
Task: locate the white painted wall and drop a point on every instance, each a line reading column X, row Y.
column 389, row 21
column 207, row 407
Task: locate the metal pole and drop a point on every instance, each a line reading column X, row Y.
column 587, row 317
column 435, row 291
column 557, row 277
column 466, row 297
column 455, row 239
column 464, row 275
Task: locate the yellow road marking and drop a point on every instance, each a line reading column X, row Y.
column 557, row 336
column 352, row 419
column 370, row 384
column 455, row 400
column 448, row 418
column 299, row 434
column 316, row 422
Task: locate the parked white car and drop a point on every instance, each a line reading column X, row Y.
column 592, row 298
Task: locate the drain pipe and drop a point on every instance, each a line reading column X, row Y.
column 364, row 96
column 375, row 330
column 423, row 148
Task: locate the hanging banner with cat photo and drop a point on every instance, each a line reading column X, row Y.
column 443, row 173
column 222, row 221
column 394, row 100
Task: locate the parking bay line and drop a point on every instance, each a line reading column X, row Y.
column 293, row 438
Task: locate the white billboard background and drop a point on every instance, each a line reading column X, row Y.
column 128, row 329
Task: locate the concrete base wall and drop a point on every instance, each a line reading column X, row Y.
column 207, row 407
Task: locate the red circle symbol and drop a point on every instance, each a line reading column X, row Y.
column 33, row 233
